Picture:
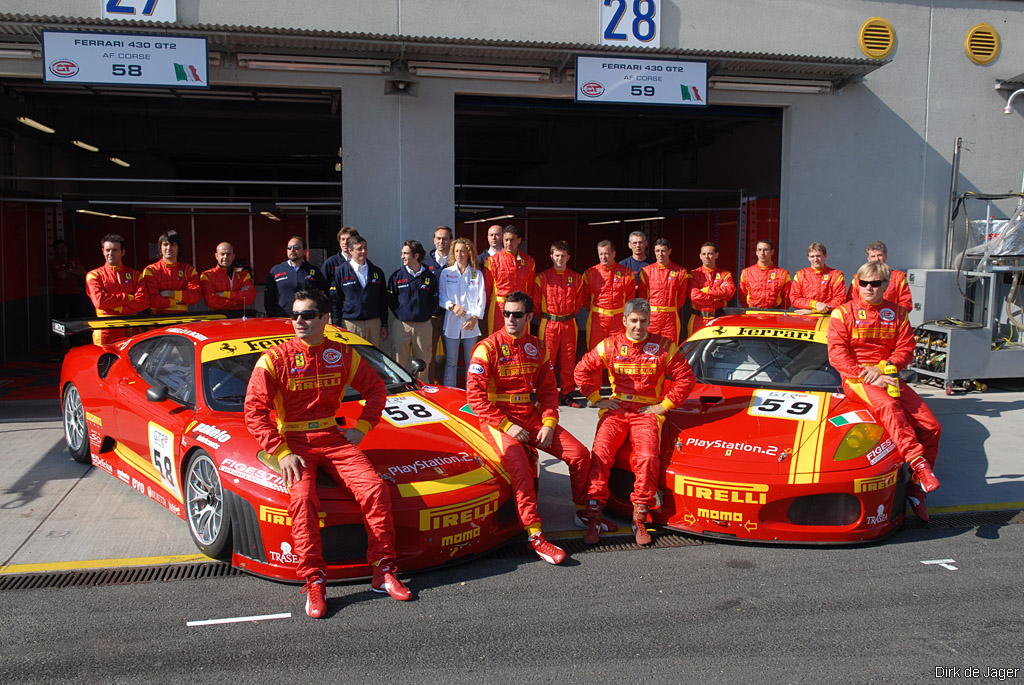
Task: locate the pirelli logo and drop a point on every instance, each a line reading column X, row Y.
column 506, row 370
column 886, row 480
column 721, row 491
column 280, row 517
column 457, row 514
column 325, row 381
column 635, row 369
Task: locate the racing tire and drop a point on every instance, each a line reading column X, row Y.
column 209, row 523
column 76, row 432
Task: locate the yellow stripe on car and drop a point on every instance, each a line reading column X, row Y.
column 805, row 465
column 433, row 487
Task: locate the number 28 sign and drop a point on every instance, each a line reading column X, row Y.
column 631, row 22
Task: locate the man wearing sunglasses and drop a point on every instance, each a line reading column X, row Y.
column 289, row 277
column 639, row 363
column 865, row 335
column 506, row 368
column 298, row 381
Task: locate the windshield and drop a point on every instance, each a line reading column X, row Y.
column 225, row 380
column 763, row 363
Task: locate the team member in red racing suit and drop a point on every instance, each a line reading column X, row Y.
column 303, row 381
column 663, row 285
column 819, row 288
column 711, row 289
column 607, row 287
column 898, row 290
column 227, row 288
column 559, row 291
column 172, row 285
column 639, row 364
column 864, row 336
column 506, row 272
column 115, row 289
column 506, row 367
column 764, row 285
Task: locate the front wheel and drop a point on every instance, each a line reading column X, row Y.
column 76, row 433
column 205, row 507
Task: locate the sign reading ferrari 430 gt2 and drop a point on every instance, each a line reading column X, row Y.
column 124, row 59
column 641, row 81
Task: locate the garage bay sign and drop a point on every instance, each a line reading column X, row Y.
column 125, row 59
column 641, row 81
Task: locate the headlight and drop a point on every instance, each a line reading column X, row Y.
column 859, row 440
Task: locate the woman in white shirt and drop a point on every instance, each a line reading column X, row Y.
column 464, row 298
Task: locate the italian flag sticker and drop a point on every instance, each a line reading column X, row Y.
column 859, row 416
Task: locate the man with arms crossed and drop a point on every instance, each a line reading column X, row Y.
column 711, row 289
column 639, row 364
column 227, row 288
column 172, row 285
column 559, row 292
column 607, row 287
column 115, row 289
column 663, row 285
column 865, row 335
column 764, row 285
column 819, row 288
column 297, row 380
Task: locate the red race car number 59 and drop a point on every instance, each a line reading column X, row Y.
column 777, row 404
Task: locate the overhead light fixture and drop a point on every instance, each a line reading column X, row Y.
column 1009, row 102
column 490, row 72
column 770, row 85
column 13, row 53
column 602, row 223
column 336, row 65
column 109, row 216
column 36, row 125
column 337, row 166
column 270, row 215
column 120, row 162
column 85, row 146
column 493, row 218
column 644, row 218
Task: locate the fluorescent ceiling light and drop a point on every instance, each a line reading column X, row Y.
column 270, row 215
column 36, row 125
column 85, row 146
column 120, row 162
column 337, row 166
column 110, row 216
column 770, row 85
column 303, row 63
column 493, row 218
column 602, row 223
column 9, row 53
column 645, row 218
column 491, row 72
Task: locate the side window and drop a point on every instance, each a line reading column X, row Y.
column 170, row 361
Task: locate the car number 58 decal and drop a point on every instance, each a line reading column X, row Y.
column 161, row 453
column 776, row 404
column 409, row 410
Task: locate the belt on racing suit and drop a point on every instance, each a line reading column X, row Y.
column 705, row 315
column 326, row 423
column 511, row 399
column 637, row 399
column 557, row 317
column 659, row 308
column 606, row 312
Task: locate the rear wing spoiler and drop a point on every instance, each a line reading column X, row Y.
column 71, row 327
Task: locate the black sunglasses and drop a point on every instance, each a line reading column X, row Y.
column 873, row 284
column 514, row 315
column 295, row 247
column 305, row 314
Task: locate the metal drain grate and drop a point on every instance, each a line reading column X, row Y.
column 969, row 519
column 117, row 576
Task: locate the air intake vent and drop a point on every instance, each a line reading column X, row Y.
column 982, row 44
column 105, row 362
column 877, row 38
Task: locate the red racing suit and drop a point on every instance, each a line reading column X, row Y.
column 810, row 286
column 869, row 334
column 502, row 374
column 176, row 276
column 764, row 288
column 664, row 287
column 897, row 291
column 505, row 273
column 638, row 372
column 227, row 289
column 559, row 296
column 606, row 290
column 710, row 292
column 115, row 291
column 304, row 387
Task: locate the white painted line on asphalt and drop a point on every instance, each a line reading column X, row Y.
column 237, row 619
column 944, row 563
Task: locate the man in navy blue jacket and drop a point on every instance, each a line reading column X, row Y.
column 289, row 277
column 359, row 295
column 412, row 297
column 336, row 260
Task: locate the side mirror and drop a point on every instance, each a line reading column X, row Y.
column 157, row 393
column 416, row 367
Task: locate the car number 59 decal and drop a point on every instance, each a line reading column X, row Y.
column 409, row 410
column 776, row 404
column 161, row 453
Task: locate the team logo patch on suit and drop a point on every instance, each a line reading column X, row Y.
column 476, row 368
column 506, row 350
column 651, row 348
column 332, row 356
column 862, row 315
column 887, row 314
column 530, row 349
column 624, row 350
column 300, row 360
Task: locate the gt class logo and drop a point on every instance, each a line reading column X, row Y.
column 592, row 89
column 63, row 68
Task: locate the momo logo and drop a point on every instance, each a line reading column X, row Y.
column 592, row 89
column 459, row 538
column 332, row 356
column 63, row 68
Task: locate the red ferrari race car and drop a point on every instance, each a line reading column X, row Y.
column 767, row 448
column 162, row 412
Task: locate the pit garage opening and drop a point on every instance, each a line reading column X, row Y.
column 585, row 172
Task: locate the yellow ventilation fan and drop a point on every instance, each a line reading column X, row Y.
column 877, row 38
column 982, row 44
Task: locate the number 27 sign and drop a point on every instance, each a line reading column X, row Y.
column 631, row 22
